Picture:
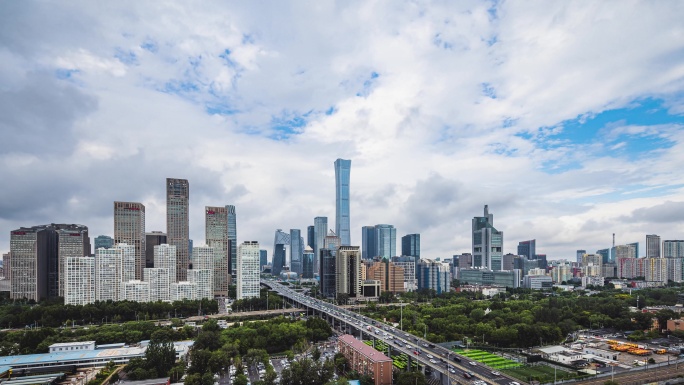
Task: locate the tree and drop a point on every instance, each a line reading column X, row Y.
column 342, row 298
column 160, row 356
column 316, row 354
column 411, row 378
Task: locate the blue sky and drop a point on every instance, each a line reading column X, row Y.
column 564, row 117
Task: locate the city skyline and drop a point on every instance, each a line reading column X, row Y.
column 568, row 128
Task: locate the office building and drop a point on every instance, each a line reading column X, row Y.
column 279, row 257
column 129, row 228
column 465, row 261
column 592, row 260
column 135, row 291
column 72, row 241
column 409, row 264
column 368, row 247
column 385, row 241
column 623, row 251
column 108, row 273
column 79, row 280
column 204, row 281
column 434, row 275
column 365, row 360
column 310, row 236
column 296, row 250
column 6, row 261
column 183, row 290
column 308, row 263
column 537, row 282
column 652, row 246
column 487, row 242
column 348, row 271
column 263, row 259
column 673, row 249
column 370, row 289
column 342, row 215
column 609, row 270
column 527, row 248
column 178, row 223
column 604, row 253
column 104, row 241
column 248, row 270
column 390, row 276
column 320, row 231
column 410, row 245
column 165, row 258
column 327, row 272
column 580, row 253
column 485, row 277
column 158, row 280
column 508, row 261
column 216, row 229
column 232, row 237
column 153, row 239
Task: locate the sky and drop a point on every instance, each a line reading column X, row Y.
column 565, row 117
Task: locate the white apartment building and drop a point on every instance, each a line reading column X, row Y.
column 655, row 269
column 183, row 290
column 675, row 268
column 561, row 273
column 203, row 258
column 248, row 270
column 204, row 279
column 108, row 277
column 79, row 282
column 136, row 291
column 128, row 261
column 158, row 279
column 165, row 258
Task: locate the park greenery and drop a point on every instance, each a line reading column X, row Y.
column 159, row 360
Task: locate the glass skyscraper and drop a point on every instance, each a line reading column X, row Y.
column 368, row 248
column 410, row 245
column 385, row 241
column 487, row 242
column 342, row 222
column 232, row 237
column 320, row 231
column 296, row 249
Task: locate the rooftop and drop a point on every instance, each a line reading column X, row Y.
column 63, row 344
column 364, row 349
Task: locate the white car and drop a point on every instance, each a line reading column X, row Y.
column 430, row 356
column 433, row 361
column 473, row 363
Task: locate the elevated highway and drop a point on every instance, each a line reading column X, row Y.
column 449, row 366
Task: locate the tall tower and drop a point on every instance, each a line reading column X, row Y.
column 368, row 238
column 216, row 227
column 320, row 231
column 410, row 245
column 385, row 241
column 72, row 241
column 232, row 238
column 296, row 250
column 487, row 242
column 129, row 228
column 177, row 223
column 652, row 246
column 248, row 270
column 342, row 222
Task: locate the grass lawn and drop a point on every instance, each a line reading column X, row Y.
column 541, row 373
column 488, row 359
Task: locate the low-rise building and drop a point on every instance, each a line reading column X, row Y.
column 72, row 346
column 366, row 360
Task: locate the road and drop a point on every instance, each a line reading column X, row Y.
column 660, row 373
column 442, row 360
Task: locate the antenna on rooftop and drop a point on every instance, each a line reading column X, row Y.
column 613, row 239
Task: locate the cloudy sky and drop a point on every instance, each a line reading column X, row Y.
column 564, row 117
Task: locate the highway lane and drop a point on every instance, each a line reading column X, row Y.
column 441, row 356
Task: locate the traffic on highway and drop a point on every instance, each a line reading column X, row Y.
column 452, row 367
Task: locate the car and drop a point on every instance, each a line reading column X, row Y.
column 495, row 373
column 433, row 361
column 425, row 345
column 406, row 335
column 467, row 374
column 513, row 383
column 430, row 356
column 416, row 352
column 473, row 363
column 452, row 371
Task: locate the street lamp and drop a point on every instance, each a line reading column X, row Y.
column 401, row 313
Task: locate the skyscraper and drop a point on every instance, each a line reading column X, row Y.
column 434, row 275
column 232, row 237
column 248, row 270
column 673, row 248
column 528, row 248
column 32, row 250
column 177, row 223
column 153, row 239
column 263, row 259
column 108, row 270
column 128, row 262
column 308, row 263
column 348, row 271
column 129, row 228
column 279, row 257
column 104, row 241
column 368, row 247
column 327, row 269
column 320, row 231
column 72, row 241
column 296, row 249
column 487, row 242
column 310, row 236
column 652, row 246
column 216, row 228
column 165, row 258
column 385, row 241
column 158, row 279
column 410, row 245
column 342, row 221
column 580, row 253
column 79, row 280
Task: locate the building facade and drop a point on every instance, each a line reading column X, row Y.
column 165, row 258
column 178, row 223
column 108, row 273
column 153, row 239
column 410, row 245
column 158, row 280
column 348, row 271
column 248, row 270
column 390, row 276
column 216, row 229
column 129, row 228
column 320, row 231
column 232, row 237
column 487, row 242
column 365, row 360
column 308, row 263
column 385, row 241
column 527, row 248
column 342, row 214
column 368, row 247
column 204, row 281
column 673, row 248
column 135, row 291
column 434, row 275
column 296, row 251
column 79, row 280
column 409, row 265
column 652, row 246
column 104, row 241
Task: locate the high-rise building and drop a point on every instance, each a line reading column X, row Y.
column 6, row 261
column 528, row 248
column 652, row 246
column 327, row 272
column 308, row 263
column 296, row 249
column 675, row 269
column 487, row 242
column 203, row 258
column 342, row 219
column 72, row 241
column 580, row 253
column 368, row 238
column 279, row 256
column 310, row 236
column 592, row 260
column 79, row 280
column 673, row 248
column 129, row 228
column 153, row 239
column 216, row 227
column 165, row 258
column 135, row 291
column 408, row 263
column 390, row 275
column 232, row 237
column 320, row 231
column 204, row 279
column 104, row 241
column 178, row 223
column 655, row 270
column 128, row 261
column 108, row 273
column 183, row 290
column 158, row 279
column 385, row 241
column 434, row 275
column 248, row 270
column 410, row 245
column 604, row 253
column 263, row 259
column 348, row 271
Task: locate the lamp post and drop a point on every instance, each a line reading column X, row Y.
column 401, row 313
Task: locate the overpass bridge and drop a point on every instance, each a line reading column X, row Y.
column 448, row 366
